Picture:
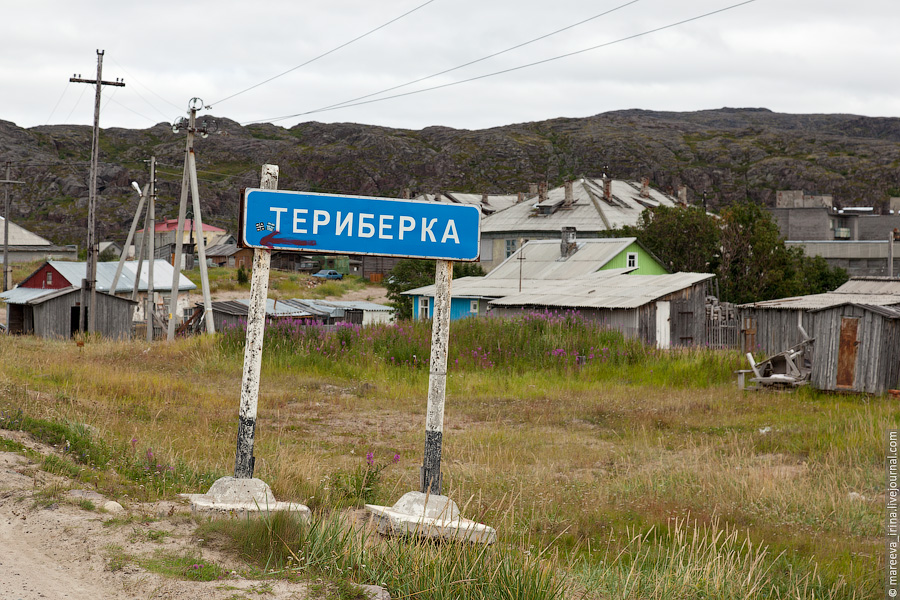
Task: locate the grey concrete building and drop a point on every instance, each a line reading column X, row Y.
column 854, row 238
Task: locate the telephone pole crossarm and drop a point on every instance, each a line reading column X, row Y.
column 117, row 83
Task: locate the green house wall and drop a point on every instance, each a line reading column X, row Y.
column 647, row 265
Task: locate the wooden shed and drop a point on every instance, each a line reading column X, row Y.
column 660, row 310
column 771, row 326
column 857, row 348
column 54, row 314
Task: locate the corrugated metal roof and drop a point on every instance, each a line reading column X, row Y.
column 172, row 225
column 884, row 311
column 618, row 291
column 35, row 296
column 590, row 211
column 871, row 285
column 827, row 300
column 19, row 236
column 27, row 295
column 74, row 272
column 495, row 287
column 222, row 250
column 277, row 309
column 360, row 305
column 300, row 307
column 495, row 202
column 542, row 259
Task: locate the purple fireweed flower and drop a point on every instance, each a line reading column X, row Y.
column 370, row 458
column 396, row 458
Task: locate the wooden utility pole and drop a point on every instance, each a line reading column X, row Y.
column 190, row 178
column 151, row 250
column 91, row 279
column 6, row 268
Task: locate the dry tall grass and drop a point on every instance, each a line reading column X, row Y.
column 650, row 489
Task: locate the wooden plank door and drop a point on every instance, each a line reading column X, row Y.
column 663, row 326
column 846, row 370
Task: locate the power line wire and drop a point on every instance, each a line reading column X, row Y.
column 137, row 81
column 509, row 70
column 483, row 58
column 55, row 106
column 80, row 96
column 344, row 45
column 131, row 110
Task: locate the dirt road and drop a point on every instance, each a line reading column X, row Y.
column 60, row 540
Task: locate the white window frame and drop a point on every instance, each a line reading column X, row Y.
column 424, row 305
column 511, row 247
column 473, row 306
column 632, row 260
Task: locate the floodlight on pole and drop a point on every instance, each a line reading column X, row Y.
column 136, row 187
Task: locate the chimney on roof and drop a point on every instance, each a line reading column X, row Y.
column 542, row 191
column 485, row 200
column 567, row 245
column 570, row 194
column 682, row 194
column 406, row 193
column 645, row 187
column 521, row 197
column 532, row 190
column 607, row 189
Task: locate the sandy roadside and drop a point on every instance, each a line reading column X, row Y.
column 61, row 539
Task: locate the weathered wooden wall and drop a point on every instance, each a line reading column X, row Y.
column 776, row 329
column 53, row 318
column 877, row 366
column 688, row 315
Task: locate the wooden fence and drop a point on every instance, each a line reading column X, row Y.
column 723, row 333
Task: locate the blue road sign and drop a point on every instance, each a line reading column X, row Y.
column 309, row 222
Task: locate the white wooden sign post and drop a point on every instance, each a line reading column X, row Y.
column 256, row 325
column 431, row 480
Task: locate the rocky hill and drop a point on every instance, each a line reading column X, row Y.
column 725, row 154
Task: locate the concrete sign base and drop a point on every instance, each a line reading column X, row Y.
column 429, row 515
column 239, row 498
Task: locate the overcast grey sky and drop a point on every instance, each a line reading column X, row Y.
column 797, row 56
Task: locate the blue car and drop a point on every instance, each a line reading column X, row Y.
column 328, row 274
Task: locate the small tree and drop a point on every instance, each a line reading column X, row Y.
column 684, row 239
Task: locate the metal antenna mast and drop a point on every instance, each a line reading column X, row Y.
column 91, row 279
column 190, row 177
column 6, row 268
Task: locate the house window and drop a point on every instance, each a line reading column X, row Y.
column 230, row 261
column 487, row 250
column 632, row 260
column 473, row 306
column 510, row 248
column 49, row 277
column 423, row 307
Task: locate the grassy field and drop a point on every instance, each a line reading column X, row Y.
column 282, row 284
column 608, row 469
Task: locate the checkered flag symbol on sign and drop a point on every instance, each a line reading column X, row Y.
column 260, row 226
